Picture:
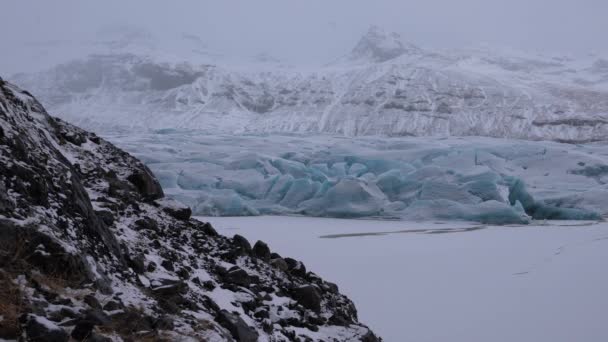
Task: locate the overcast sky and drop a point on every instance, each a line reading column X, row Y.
column 315, row 30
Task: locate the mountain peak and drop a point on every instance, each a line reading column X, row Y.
column 378, row 45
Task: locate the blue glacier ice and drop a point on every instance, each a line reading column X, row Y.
column 487, row 180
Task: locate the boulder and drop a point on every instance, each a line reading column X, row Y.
column 237, row 327
column 38, row 328
column 261, row 250
column 97, row 317
column 170, row 289
column 296, row 267
column 83, row 331
column 91, row 301
column 280, row 264
column 208, row 229
column 112, row 305
column 174, row 208
column 238, row 276
column 137, row 263
column 146, row 184
column 147, row 223
column 241, row 243
column 308, row 296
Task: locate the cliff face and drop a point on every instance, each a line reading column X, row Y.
column 89, row 248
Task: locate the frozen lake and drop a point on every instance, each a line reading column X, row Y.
column 453, row 281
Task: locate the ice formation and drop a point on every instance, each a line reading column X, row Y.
column 475, row 179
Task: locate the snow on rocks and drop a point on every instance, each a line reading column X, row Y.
column 101, row 255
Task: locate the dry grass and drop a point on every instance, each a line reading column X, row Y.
column 52, row 283
column 11, row 305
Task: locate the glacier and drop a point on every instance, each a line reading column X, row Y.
column 389, row 130
column 488, row 180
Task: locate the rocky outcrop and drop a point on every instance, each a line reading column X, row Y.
column 91, row 251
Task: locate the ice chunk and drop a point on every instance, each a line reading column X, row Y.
column 539, row 210
column 300, row 191
column 223, row 203
column 357, row 169
column 348, row 198
column 490, row 212
column 432, row 190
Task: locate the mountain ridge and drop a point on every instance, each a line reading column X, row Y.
column 384, row 87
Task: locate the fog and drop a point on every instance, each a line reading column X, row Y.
column 312, row 31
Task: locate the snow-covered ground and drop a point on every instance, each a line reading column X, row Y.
column 454, row 281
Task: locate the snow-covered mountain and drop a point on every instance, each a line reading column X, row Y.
column 384, row 86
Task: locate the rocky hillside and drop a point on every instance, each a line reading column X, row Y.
column 384, row 86
column 90, row 249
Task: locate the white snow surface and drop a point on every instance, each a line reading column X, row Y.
column 451, row 281
column 421, row 178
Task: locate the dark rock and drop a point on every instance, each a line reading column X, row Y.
column 308, row 296
column 261, row 313
column 274, row 255
column 68, row 312
column 83, row 330
column 296, row 267
column 171, row 289
column 94, row 337
column 163, row 323
column 43, row 252
column 175, row 209
column 151, row 266
column 146, row 184
column 208, row 285
column 137, row 263
column 95, row 139
column 237, row 327
column 168, row 265
column 208, row 229
column 75, row 138
column 316, row 320
column 338, row 319
column 261, row 250
column 106, row 216
column 330, row 287
column 38, row 328
column 279, row 263
column 113, row 305
column 241, row 243
column 92, row 301
column 183, row 273
column 97, row 317
column 370, row 337
column 238, row 276
column 211, row 304
column 169, row 306
column 147, row 223
column 130, row 321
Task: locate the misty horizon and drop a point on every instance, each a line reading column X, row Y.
column 311, row 33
